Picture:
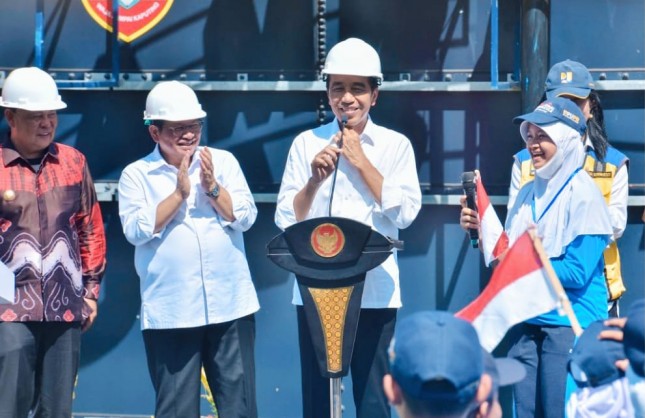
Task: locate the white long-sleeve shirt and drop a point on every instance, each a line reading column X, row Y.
column 194, row 271
column 392, row 155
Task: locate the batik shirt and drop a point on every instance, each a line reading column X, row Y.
column 51, row 234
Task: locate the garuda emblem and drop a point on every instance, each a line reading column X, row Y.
column 327, row 240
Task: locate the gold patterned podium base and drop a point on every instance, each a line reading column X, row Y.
column 331, row 305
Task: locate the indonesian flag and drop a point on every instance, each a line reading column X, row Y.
column 494, row 240
column 519, row 289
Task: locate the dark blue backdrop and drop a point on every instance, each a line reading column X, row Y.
column 268, row 39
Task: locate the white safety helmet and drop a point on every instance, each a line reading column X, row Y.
column 172, row 101
column 353, row 57
column 32, row 89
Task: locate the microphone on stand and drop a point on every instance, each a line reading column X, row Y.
column 468, row 183
column 343, row 121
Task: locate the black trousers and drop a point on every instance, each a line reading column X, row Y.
column 368, row 366
column 226, row 351
column 38, row 366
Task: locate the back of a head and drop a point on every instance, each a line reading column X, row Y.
column 437, row 361
column 172, row 101
column 32, row 89
column 592, row 361
column 572, row 80
column 353, row 56
column 602, row 391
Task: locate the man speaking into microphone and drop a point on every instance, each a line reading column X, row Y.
column 376, row 183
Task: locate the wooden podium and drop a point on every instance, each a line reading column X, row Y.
column 330, row 257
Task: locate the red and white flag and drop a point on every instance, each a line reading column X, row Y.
column 494, row 240
column 519, row 289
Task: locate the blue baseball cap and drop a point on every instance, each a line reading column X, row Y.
column 555, row 110
column 568, row 78
column 503, row 371
column 436, row 356
column 634, row 337
column 592, row 362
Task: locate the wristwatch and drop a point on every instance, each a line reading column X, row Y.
column 214, row 192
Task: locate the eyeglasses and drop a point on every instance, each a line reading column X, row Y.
column 179, row 131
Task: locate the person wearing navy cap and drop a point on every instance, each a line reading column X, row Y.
column 607, row 166
column 602, row 390
column 570, row 217
column 630, row 332
column 570, row 79
column 438, row 369
column 634, row 346
column 634, row 337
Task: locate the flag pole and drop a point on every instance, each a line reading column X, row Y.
column 555, row 282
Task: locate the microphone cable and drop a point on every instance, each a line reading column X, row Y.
column 343, row 122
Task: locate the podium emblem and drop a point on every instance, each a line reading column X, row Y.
column 327, row 240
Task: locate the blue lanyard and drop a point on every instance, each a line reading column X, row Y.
column 552, row 200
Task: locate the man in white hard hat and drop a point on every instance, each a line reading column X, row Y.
column 376, row 184
column 52, row 240
column 184, row 207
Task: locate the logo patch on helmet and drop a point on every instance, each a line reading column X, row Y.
column 136, row 17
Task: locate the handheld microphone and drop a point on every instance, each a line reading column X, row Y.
column 468, row 183
column 343, row 121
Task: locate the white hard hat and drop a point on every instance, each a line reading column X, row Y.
column 353, row 57
column 172, row 101
column 32, row 89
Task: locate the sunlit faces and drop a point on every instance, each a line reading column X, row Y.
column 31, row 132
column 539, row 145
column 353, row 97
column 177, row 139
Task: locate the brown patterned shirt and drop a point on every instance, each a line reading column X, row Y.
column 51, row 234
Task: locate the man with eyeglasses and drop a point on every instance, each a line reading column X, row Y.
column 53, row 242
column 185, row 208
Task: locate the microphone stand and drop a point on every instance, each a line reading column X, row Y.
column 343, row 122
column 335, row 383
